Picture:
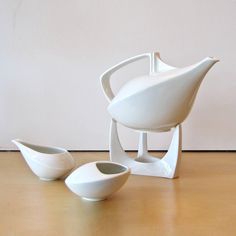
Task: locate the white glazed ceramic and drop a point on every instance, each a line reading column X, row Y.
column 48, row 163
column 153, row 103
column 98, row 180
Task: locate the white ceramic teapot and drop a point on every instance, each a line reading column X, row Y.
column 153, row 103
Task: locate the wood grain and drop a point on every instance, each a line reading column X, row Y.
column 201, row 202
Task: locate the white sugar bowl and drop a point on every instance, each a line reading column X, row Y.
column 48, row 163
column 98, row 180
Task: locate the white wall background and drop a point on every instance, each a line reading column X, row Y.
column 53, row 51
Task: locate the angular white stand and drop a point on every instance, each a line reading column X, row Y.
column 144, row 164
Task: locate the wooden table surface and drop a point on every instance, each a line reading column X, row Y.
column 201, row 202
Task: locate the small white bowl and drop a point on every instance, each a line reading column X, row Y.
column 98, row 180
column 48, row 163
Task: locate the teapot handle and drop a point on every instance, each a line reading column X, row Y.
column 105, row 77
column 156, row 65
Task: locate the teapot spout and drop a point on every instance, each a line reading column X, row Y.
column 201, row 68
column 214, row 59
column 210, row 61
